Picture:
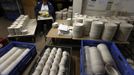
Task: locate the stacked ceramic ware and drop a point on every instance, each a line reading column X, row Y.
column 59, row 15
column 124, row 31
column 53, row 62
column 87, row 26
column 18, row 27
column 69, row 22
column 64, row 14
column 109, row 31
column 96, row 29
column 9, row 61
column 77, row 30
column 104, row 28
column 99, row 61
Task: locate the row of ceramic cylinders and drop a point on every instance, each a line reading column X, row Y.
column 97, row 28
column 18, row 26
column 64, row 14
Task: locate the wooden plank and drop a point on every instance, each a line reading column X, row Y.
column 87, row 38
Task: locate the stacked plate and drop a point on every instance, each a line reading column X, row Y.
column 77, row 30
column 109, row 31
column 64, row 14
column 96, row 29
column 124, row 31
column 87, row 25
column 18, row 27
column 59, row 15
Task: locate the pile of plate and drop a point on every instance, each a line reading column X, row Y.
column 77, row 30
column 109, row 31
column 124, row 31
column 87, row 25
column 96, row 29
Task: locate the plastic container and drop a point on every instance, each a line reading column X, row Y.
column 121, row 63
column 24, row 62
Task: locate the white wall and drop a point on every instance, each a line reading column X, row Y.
column 77, row 6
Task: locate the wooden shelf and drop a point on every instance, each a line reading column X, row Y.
column 53, row 33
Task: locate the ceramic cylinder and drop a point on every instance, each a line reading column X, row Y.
column 75, row 15
column 4, row 65
column 7, row 55
column 18, row 30
column 77, row 30
column 20, row 17
column 55, row 25
column 96, row 30
column 24, row 32
column 26, row 17
column 15, row 23
column 97, row 64
column 59, row 15
column 26, row 20
column 111, row 70
column 11, row 30
column 106, row 55
column 16, row 62
column 69, row 22
column 124, row 31
column 64, row 16
column 69, row 14
column 88, row 62
column 87, row 25
column 70, row 8
column 79, row 19
column 64, row 10
column 109, row 31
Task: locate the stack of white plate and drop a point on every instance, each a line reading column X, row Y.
column 97, row 64
column 59, row 15
column 77, row 30
column 109, row 31
column 87, row 25
column 96, row 29
column 69, row 13
column 124, row 31
column 64, row 16
column 69, row 22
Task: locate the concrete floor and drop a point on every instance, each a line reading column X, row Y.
column 4, row 23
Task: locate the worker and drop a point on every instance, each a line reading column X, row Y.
column 44, row 8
